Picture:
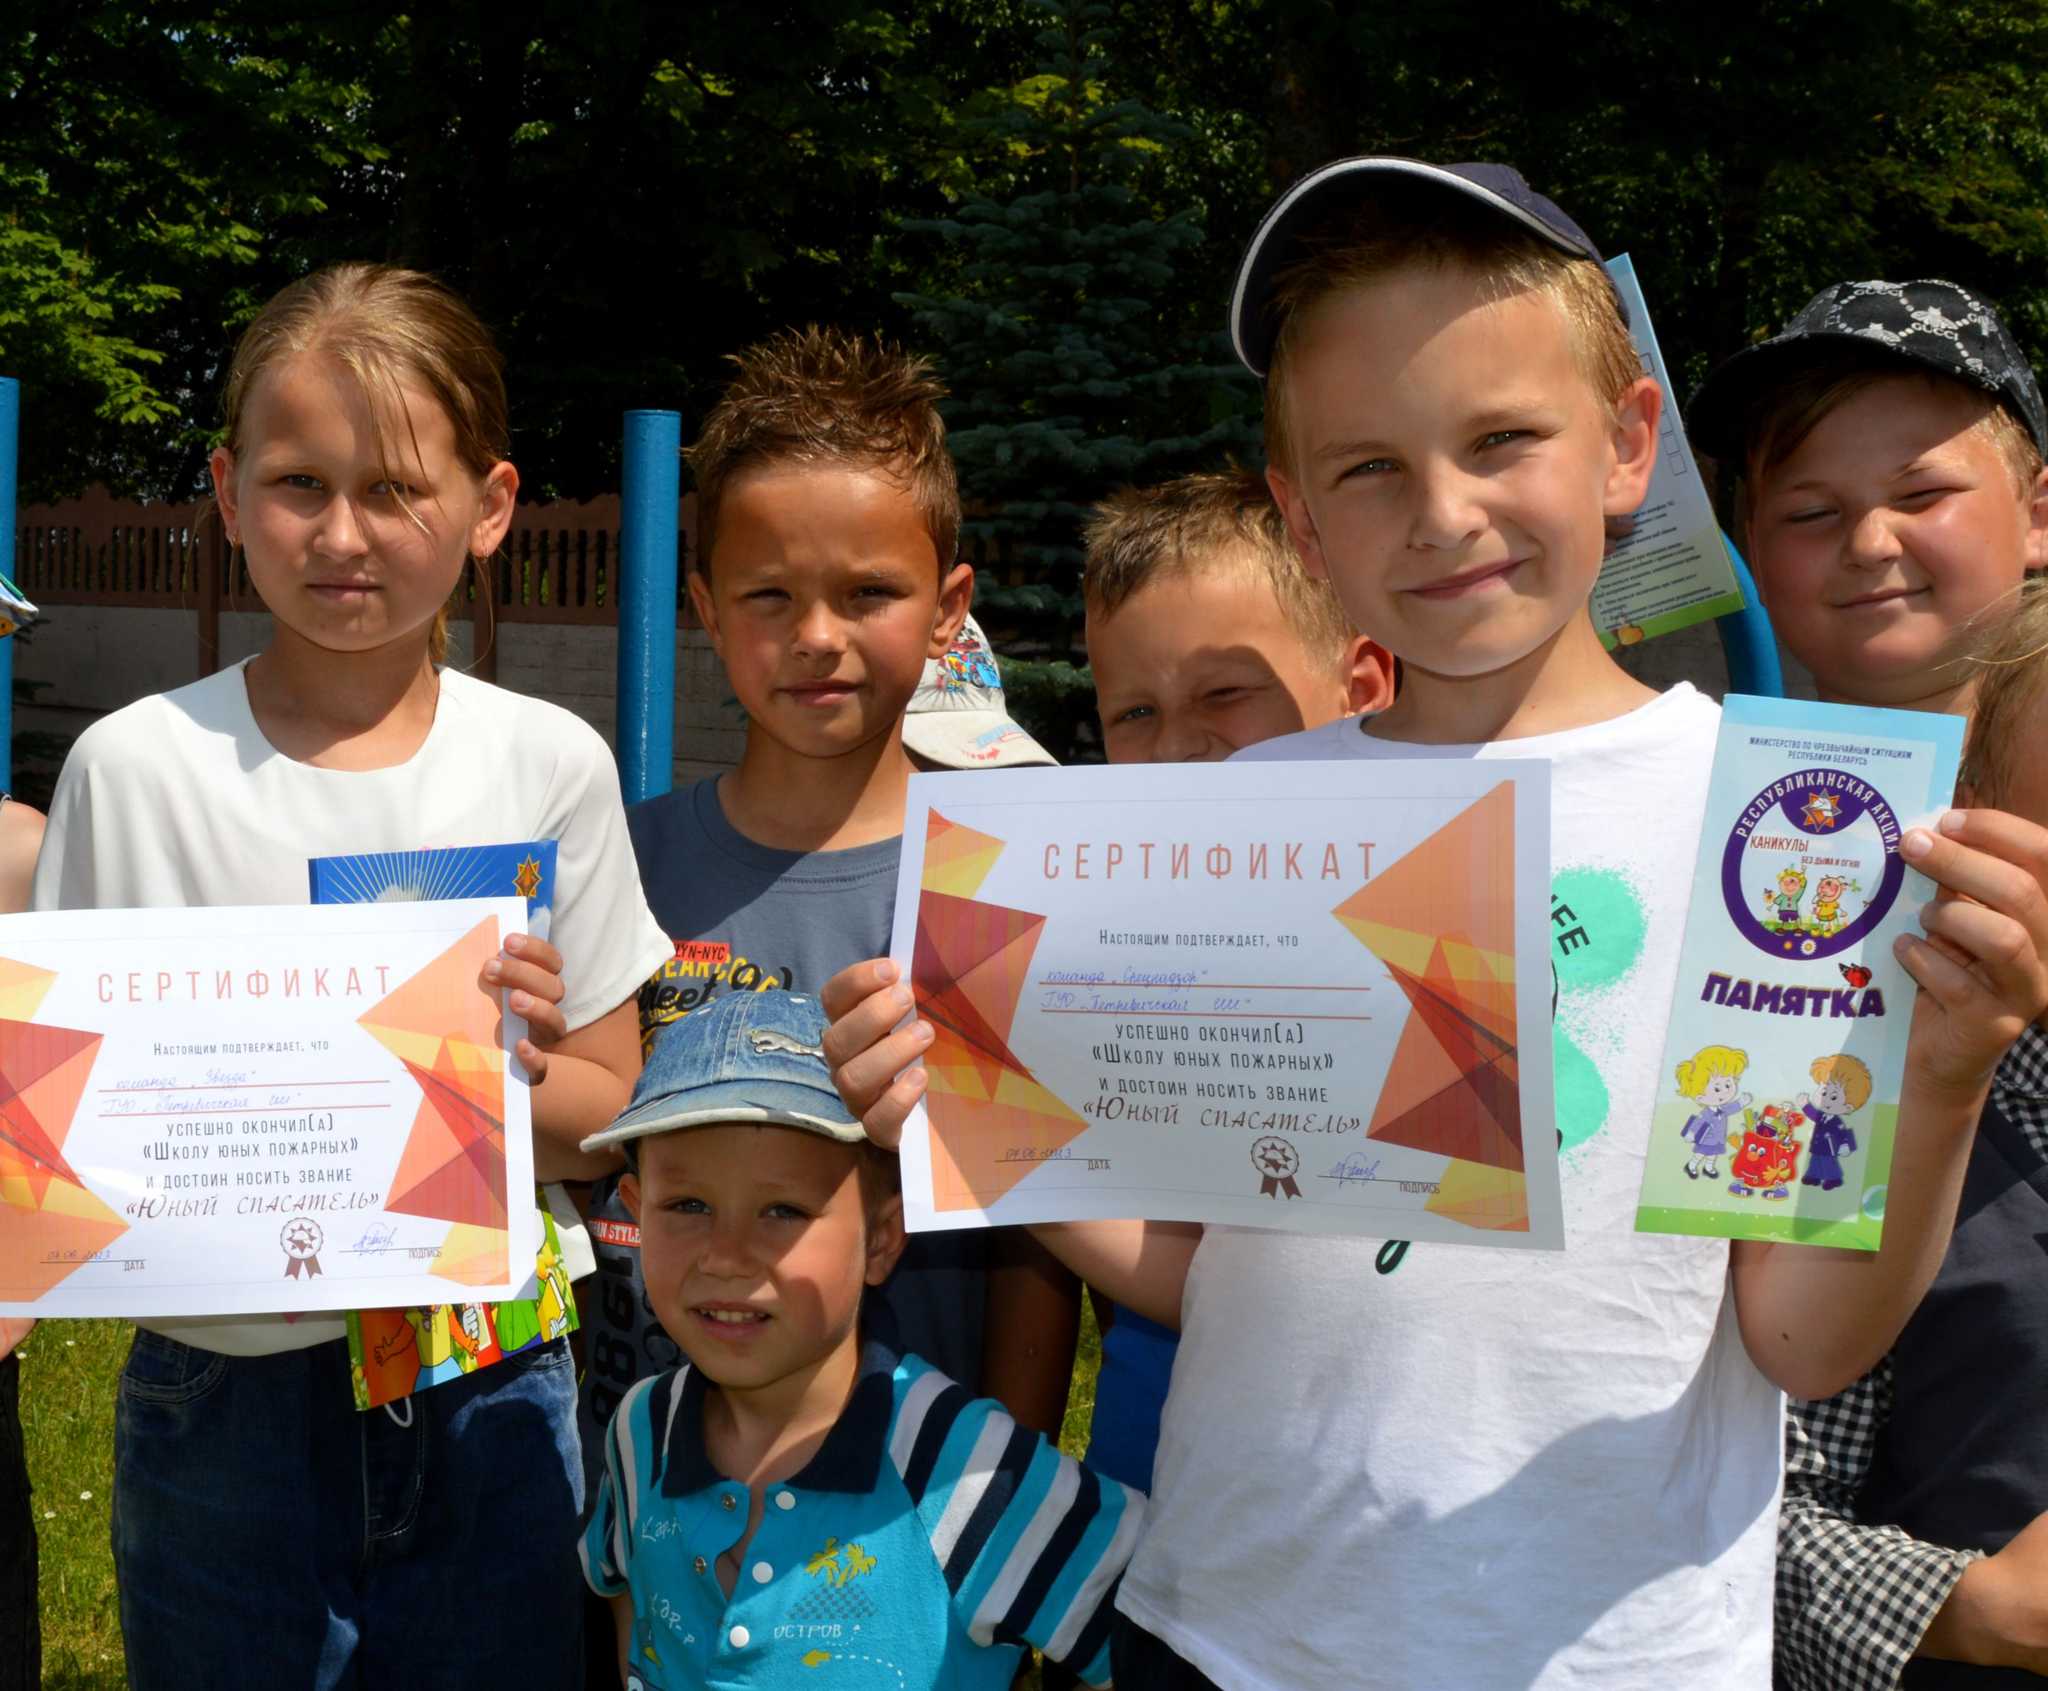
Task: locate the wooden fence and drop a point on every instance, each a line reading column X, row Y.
column 559, row 564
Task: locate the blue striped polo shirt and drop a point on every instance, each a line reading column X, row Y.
column 929, row 1540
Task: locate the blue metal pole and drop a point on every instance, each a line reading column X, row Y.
column 649, row 485
column 1746, row 638
column 10, row 442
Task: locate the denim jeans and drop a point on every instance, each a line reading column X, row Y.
column 20, row 1646
column 268, row 1534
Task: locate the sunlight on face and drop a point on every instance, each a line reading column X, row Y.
column 755, row 1245
column 824, row 598
column 1195, row 666
column 1455, row 468
column 1883, row 542
column 347, row 554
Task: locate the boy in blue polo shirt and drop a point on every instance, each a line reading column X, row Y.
column 799, row 1495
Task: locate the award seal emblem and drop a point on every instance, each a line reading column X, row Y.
column 1278, row 1163
column 301, row 1239
column 1813, row 864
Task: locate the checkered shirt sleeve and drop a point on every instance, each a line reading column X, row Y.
column 1853, row 1601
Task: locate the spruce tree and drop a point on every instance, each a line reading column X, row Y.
column 1069, row 376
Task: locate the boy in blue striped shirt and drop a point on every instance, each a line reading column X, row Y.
column 800, row 1496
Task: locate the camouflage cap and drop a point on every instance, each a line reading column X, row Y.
column 1939, row 326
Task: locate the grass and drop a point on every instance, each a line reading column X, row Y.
column 70, row 1371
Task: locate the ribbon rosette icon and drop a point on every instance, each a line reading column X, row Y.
column 301, row 1239
column 1278, row 1163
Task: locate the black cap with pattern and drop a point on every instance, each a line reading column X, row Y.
column 1296, row 214
column 1937, row 325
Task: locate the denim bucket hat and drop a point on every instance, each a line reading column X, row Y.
column 744, row 1057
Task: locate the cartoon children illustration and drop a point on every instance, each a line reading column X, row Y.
column 1844, row 1083
column 1782, row 901
column 1828, row 893
column 1709, row 1077
column 1768, row 1155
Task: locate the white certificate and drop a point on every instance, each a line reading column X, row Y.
column 242, row 1111
column 1312, row 996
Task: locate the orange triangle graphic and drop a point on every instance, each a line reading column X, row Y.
column 453, row 1164
column 991, row 1122
column 1442, row 920
column 1440, row 887
column 957, row 858
column 41, row 1248
column 43, row 1071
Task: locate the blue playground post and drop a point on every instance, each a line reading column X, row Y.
column 1746, row 638
column 649, row 486
column 10, row 442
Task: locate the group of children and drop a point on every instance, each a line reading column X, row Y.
column 814, row 1448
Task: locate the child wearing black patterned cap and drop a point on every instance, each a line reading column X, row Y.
column 1888, row 443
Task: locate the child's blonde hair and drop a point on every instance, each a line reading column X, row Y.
column 1404, row 226
column 1709, row 1062
column 2012, row 679
column 1852, row 1074
column 1203, row 522
column 387, row 327
column 824, row 396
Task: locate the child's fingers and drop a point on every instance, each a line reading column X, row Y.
column 885, row 1118
column 2001, row 834
column 517, row 976
column 2011, row 888
column 544, row 1021
column 529, row 948
column 1998, row 948
column 856, row 982
column 859, row 1030
column 13, row 1329
column 533, row 1060
column 1949, row 983
column 866, row 1079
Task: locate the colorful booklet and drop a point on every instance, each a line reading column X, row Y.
column 1673, row 569
column 396, row 1352
column 1779, row 1087
column 15, row 608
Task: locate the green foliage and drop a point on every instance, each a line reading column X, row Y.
column 1075, row 368
column 1051, row 195
column 141, row 157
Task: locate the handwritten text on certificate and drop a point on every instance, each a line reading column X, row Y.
column 1310, row 996
column 240, row 1111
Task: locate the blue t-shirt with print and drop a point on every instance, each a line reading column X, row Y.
column 928, row 1541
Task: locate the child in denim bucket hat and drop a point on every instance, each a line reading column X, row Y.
column 798, row 1491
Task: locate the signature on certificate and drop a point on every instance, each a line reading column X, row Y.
column 376, row 1237
column 1356, row 1169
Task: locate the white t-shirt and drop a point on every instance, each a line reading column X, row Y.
column 1489, row 1468
column 180, row 800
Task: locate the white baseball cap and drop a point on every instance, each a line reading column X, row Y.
column 957, row 718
